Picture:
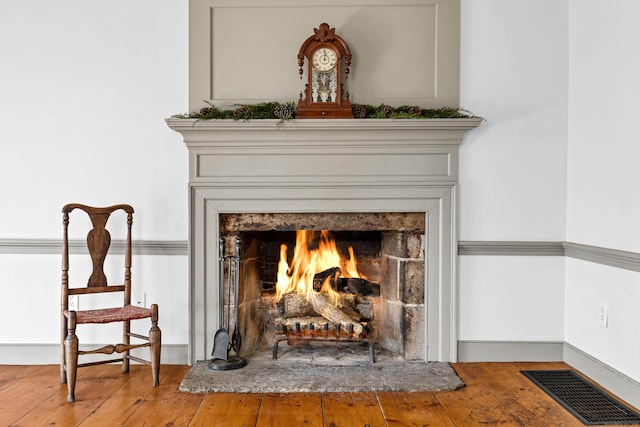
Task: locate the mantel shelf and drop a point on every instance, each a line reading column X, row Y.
column 463, row 124
column 361, row 133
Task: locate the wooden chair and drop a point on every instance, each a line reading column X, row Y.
column 98, row 242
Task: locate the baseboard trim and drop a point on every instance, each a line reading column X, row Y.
column 509, row 351
column 48, row 354
column 616, row 382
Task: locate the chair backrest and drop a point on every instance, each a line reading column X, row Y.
column 98, row 244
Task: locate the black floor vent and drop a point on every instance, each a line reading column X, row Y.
column 584, row 400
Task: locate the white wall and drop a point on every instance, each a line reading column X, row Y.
column 84, row 89
column 603, row 199
column 514, row 61
column 514, row 298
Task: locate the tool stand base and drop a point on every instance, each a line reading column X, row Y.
column 233, row 362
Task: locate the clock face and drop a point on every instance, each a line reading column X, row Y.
column 324, row 59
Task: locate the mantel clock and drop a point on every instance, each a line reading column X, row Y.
column 328, row 60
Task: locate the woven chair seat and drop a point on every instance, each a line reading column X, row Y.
column 116, row 314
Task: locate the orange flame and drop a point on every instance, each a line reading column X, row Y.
column 309, row 261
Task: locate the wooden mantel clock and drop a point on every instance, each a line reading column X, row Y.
column 328, row 58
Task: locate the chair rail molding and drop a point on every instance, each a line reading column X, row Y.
column 54, row 246
column 595, row 254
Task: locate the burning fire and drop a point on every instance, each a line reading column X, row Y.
column 311, row 257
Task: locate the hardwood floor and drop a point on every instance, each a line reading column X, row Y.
column 496, row 395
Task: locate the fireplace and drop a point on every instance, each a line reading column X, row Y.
column 392, row 182
column 364, row 273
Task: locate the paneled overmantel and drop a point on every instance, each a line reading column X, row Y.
column 332, row 166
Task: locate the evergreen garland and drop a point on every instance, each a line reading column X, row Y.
column 284, row 111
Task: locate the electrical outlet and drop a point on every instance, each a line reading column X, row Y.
column 139, row 299
column 603, row 315
column 74, row 302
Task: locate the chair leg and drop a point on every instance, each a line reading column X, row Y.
column 155, row 341
column 63, row 336
column 71, row 356
column 126, row 340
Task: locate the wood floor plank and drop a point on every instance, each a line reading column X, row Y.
column 518, row 396
column 30, row 386
column 126, row 400
column 165, row 404
column 351, row 410
column 228, row 410
column 474, row 406
column 497, row 394
column 291, row 410
column 10, row 374
column 94, row 386
column 412, row 409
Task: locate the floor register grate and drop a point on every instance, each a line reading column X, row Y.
column 584, row 400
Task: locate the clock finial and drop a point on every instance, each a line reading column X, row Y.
column 324, row 33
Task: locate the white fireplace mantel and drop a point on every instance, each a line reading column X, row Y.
column 333, row 166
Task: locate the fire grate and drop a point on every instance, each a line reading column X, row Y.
column 584, row 400
column 327, row 334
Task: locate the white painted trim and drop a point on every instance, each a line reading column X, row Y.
column 616, row 382
column 509, row 351
column 605, row 256
column 595, row 254
column 54, row 246
column 510, row 248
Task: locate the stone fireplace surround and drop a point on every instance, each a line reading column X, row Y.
column 315, row 166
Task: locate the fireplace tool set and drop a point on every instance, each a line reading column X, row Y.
column 225, row 341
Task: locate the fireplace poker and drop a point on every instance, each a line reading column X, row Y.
column 221, row 337
column 235, row 337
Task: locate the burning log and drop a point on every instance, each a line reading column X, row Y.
column 360, row 286
column 356, row 286
column 323, row 307
column 319, row 278
column 296, row 305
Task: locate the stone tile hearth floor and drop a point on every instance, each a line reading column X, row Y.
column 323, row 368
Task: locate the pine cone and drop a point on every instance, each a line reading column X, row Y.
column 417, row 111
column 205, row 111
column 242, row 112
column 359, row 111
column 284, row 111
column 387, row 110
